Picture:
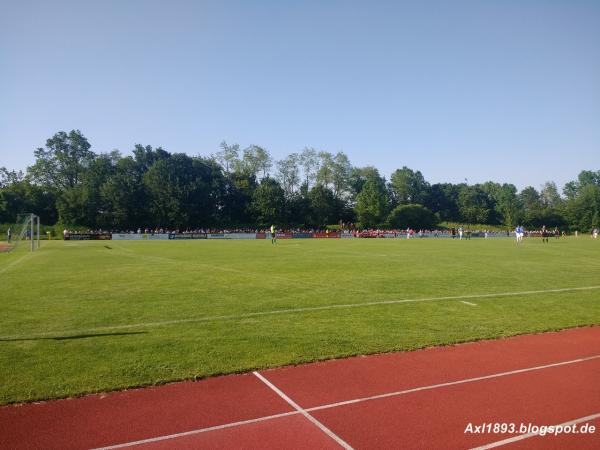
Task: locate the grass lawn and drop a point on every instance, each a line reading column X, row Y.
column 80, row 317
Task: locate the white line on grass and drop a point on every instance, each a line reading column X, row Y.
column 349, row 402
column 15, row 262
column 290, row 311
column 468, row 303
column 302, row 411
column 528, row 435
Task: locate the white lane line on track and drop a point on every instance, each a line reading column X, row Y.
column 292, row 311
column 468, row 303
column 452, row 383
column 198, row 431
column 350, row 402
column 302, row 411
column 529, row 435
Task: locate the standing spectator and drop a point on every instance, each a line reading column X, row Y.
column 8, row 234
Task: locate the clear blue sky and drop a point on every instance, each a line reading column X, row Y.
column 485, row 90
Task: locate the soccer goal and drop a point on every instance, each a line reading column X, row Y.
column 28, row 230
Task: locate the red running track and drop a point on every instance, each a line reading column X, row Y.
column 421, row 399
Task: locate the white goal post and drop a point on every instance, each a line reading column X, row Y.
column 28, row 230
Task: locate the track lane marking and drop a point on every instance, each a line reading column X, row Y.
column 302, row 411
column 529, row 435
column 292, row 311
column 198, row 431
column 348, row 402
column 451, row 383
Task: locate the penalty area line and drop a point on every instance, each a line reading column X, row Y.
column 61, row 333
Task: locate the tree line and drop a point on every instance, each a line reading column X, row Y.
column 247, row 188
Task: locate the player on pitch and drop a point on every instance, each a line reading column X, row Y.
column 273, row 234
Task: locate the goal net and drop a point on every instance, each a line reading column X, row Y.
column 26, row 232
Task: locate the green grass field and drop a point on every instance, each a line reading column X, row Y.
column 80, row 317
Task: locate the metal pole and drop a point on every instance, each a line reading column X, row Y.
column 31, row 234
column 38, row 232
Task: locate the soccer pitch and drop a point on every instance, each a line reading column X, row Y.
column 80, row 317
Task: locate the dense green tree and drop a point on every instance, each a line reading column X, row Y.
column 297, row 211
column 475, row 205
column 153, row 187
column 583, row 210
column 146, row 156
column 124, row 196
column 324, row 208
column 549, row 195
column 530, row 199
column 21, row 196
column 235, row 211
column 443, row 200
column 340, row 176
column 268, row 203
column 181, row 192
column 372, row 204
column 359, row 176
column 324, row 174
column 409, row 186
column 507, row 208
column 585, row 178
column 63, row 162
column 411, row 216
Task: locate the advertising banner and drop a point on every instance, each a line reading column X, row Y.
column 139, row 237
column 242, row 236
column 285, row 235
column 331, row 235
column 87, row 237
column 303, row 235
column 187, row 236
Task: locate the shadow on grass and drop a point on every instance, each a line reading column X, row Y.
column 77, row 336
